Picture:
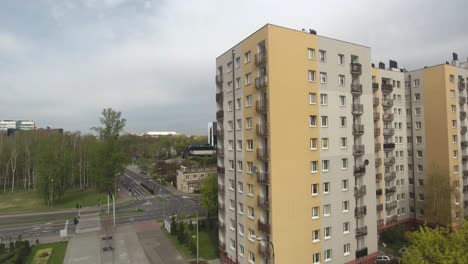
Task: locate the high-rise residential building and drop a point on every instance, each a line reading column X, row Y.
column 319, row 150
column 17, row 124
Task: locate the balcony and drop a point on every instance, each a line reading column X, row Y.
column 359, row 191
column 464, row 158
column 379, row 207
column 261, row 82
column 358, row 130
column 389, row 161
column 464, row 144
column 378, row 192
column 463, row 129
column 220, row 151
column 222, row 227
column 263, row 226
column 360, row 211
column 378, row 177
column 221, row 209
column 388, row 146
column 387, row 88
column 390, row 176
column 465, row 173
column 377, row 131
column 263, row 177
column 262, row 154
column 462, row 115
column 391, row 220
column 358, row 150
column 465, row 188
column 388, row 132
column 378, row 162
column 377, row 147
column 356, row 89
column 376, row 116
column 222, row 247
column 264, row 251
column 461, row 84
column 387, row 117
column 387, row 103
column 262, row 130
column 359, row 170
column 261, row 106
column 221, row 189
column 220, row 114
column 356, row 68
column 390, row 205
column 465, row 204
column 376, row 101
column 462, row 100
column 263, row 202
column 358, row 109
column 219, row 97
column 361, row 231
column 375, row 86
column 220, row 170
column 260, row 57
column 390, row 190
column 360, row 253
column 219, row 79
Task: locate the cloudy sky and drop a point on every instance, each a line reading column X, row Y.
column 62, row 61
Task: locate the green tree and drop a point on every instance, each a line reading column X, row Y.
column 209, row 194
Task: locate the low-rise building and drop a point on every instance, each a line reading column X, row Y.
column 190, row 180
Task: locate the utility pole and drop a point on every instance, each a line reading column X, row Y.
column 107, row 203
column 113, row 201
column 52, row 201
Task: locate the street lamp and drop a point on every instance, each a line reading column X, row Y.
column 197, row 203
column 52, row 201
column 258, row 238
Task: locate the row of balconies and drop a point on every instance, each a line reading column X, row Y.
column 219, row 97
column 220, row 114
column 219, row 79
column 390, row 205
column 465, row 173
column 359, row 191
column 262, row 154
column 220, row 133
column 220, row 170
column 263, row 202
column 462, row 115
column 392, row 219
column 263, row 177
column 390, row 176
column 387, row 103
column 388, row 132
column 463, row 129
column 360, row 253
column 260, row 57
column 221, row 189
column 464, row 143
column 390, row 190
column 360, row 211
column 263, row 226
column 264, row 251
column 261, row 106
column 465, row 188
column 378, row 192
column 220, row 151
column 462, row 100
column 356, row 68
column 387, row 117
column 375, row 85
column 389, row 161
column 461, row 84
column 388, row 146
column 262, row 130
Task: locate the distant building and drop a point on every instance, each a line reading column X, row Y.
column 17, row 125
column 159, row 133
column 212, row 133
column 190, row 180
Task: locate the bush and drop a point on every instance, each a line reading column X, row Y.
column 12, row 246
column 192, row 246
column 190, row 226
column 181, row 234
column 173, row 226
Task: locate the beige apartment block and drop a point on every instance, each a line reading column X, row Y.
column 190, row 180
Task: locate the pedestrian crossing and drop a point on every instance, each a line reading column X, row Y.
column 144, row 197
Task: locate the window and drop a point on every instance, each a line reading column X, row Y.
column 420, row 182
column 248, row 100
column 241, row 208
column 344, row 142
column 398, row 84
column 418, row 125
column 315, row 212
column 248, row 57
column 417, row 97
column 229, row 86
column 250, row 189
column 419, row 139
column 238, row 83
column 316, row 258
column 346, row 206
column 419, row 154
column 239, row 145
column 421, row 196
column 451, row 78
column 238, row 103
column 346, row 227
column 323, row 99
column 420, row 168
column 323, row 77
column 231, row 165
column 311, row 53
column 233, row 244
column 454, row 108
column 313, row 121
column 324, row 121
column 324, row 143
column 232, row 224
column 241, row 249
column 240, row 187
column 455, row 154
column 313, row 166
column 454, row 138
column 237, row 63
column 327, row 232
column 325, row 165
column 326, row 187
column 232, row 204
column 316, row 236
column 250, row 167
column 342, row 121
column 417, row 111
column 344, row 185
column 342, row 100
column 322, row 55
column 229, row 105
column 346, row 249
column 313, row 143
column 326, row 210
column 452, row 93
column 249, row 123
column 239, row 124
column 416, row 83
column 229, row 67
column 251, row 212
column 248, row 78
column 312, row 98
column 231, row 144
column 315, row 189
column 231, row 184
column 249, row 144
column 251, row 257
column 239, row 165
column 341, row 59
column 454, row 123
column 341, row 80
column 311, row 76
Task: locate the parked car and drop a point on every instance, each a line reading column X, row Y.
column 383, row 259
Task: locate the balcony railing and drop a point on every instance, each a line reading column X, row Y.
column 390, row 176
column 359, row 170
column 388, row 146
column 263, row 202
column 261, row 106
column 376, row 101
column 461, row 84
column 388, row 132
column 220, row 114
column 219, row 97
column 360, row 253
column 462, row 100
column 376, row 131
column 465, row 188
column 375, row 85
column 264, row 251
column 464, row 143
column 263, row 177
column 220, row 151
column 356, row 68
column 358, row 109
column 379, row 207
column 463, row 129
column 361, row 231
column 261, row 82
column 222, row 227
column 221, row 189
column 390, row 190
column 464, row 158
column 360, row 211
column 262, row 130
column 264, row 227
column 221, row 209
column 390, row 205
column 378, row 177
column 262, row 154
column 465, row 173
column 220, row 133
column 386, row 103
column 356, row 89
column 378, row 162
column 389, row 161
column 392, row 219
column 387, row 88
column 462, row 115
column 220, row 170
column 378, row 192
column 465, row 204
column 376, row 116
column 260, row 57
column 387, row 117
column 219, row 79
column 358, row 150
column 359, row 191
column 377, row 147
column 358, row 129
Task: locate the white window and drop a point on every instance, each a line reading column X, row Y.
column 346, row 249
column 311, row 76
column 316, row 236
column 240, row 187
column 239, row 124
column 342, row 100
column 238, row 103
column 248, row 100
column 315, row 212
column 324, row 120
column 344, row 142
column 316, row 258
column 233, row 244
column 250, row 189
column 452, row 93
column 241, row 249
column 313, row 121
column 419, row 139
column 342, row 121
column 229, row 66
column 239, row 145
column 311, row 53
column 232, row 204
column 312, row 98
column 454, row 138
column 323, row 77
column 341, row 59
column 313, row 166
column 239, row 165
column 238, row 83
column 417, row 111
column 326, row 210
column 251, row 212
column 323, row 99
column 231, row 165
column 248, row 78
column 326, row 187
column 454, row 108
column 237, row 63
column 249, row 144
column 322, row 55
column 418, row 125
column 346, row 227
column 419, row 154
column 250, row 167
column 314, row 189
column 240, row 209
column 231, row 144
column 248, row 57
column 324, row 143
column 249, row 123
column 232, row 224
column 417, row 97
column 251, row 257
column 345, row 206
column 344, row 185
column 229, row 86
column 454, row 123
column 325, row 165
column 313, row 143
column 455, row 154
column 231, row 184
column 416, row 83
column 341, row 80
column 327, row 232
column 229, row 105
column 344, row 163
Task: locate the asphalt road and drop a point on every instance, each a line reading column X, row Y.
column 49, row 224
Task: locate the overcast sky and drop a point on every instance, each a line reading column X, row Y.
column 62, row 61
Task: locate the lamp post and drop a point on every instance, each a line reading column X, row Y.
column 52, row 201
column 258, row 238
column 162, row 191
column 197, row 202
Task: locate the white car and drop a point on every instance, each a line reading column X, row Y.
column 382, row 259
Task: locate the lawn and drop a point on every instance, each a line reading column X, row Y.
column 29, row 201
column 58, row 253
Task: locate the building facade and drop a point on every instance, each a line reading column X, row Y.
column 190, row 180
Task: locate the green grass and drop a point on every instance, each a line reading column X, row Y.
column 29, row 201
column 58, row 255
